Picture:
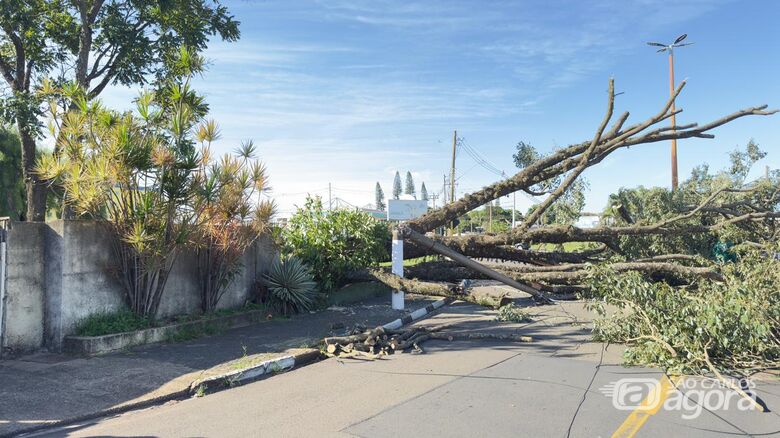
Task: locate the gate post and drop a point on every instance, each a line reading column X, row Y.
column 398, row 268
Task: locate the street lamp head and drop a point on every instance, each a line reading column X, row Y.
column 669, row 47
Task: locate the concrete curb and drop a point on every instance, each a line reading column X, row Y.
column 417, row 314
column 229, row 379
column 254, row 372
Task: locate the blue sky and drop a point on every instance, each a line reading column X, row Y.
column 347, row 92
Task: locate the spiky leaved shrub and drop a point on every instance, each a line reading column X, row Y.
column 231, row 194
column 291, row 287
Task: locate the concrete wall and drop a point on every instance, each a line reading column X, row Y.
column 63, row 271
column 79, row 277
column 23, row 308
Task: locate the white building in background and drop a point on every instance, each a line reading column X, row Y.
column 589, row 221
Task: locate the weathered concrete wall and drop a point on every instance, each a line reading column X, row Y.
column 80, row 281
column 64, row 271
column 25, row 288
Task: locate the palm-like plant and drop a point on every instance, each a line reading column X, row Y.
column 134, row 172
column 234, row 213
column 291, row 286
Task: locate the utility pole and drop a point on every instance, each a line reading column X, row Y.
column 452, row 167
column 674, row 140
column 452, row 173
column 330, row 198
column 514, row 207
column 670, row 48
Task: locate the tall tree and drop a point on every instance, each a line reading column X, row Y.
column 379, row 197
column 11, row 180
column 92, row 43
column 409, row 187
column 396, row 185
column 423, row 192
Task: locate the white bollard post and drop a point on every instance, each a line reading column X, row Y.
column 398, row 269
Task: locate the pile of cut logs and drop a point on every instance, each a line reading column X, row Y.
column 374, row 343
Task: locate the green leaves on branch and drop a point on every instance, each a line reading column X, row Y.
column 335, row 242
column 732, row 198
column 735, row 325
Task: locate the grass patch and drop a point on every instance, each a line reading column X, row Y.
column 188, row 333
column 108, row 323
column 122, row 321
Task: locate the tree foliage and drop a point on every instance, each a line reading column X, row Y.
column 137, row 171
column 643, row 206
column 397, row 186
column 379, row 197
column 409, row 185
column 93, row 43
column 706, row 326
column 334, row 243
column 233, row 212
column 480, row 220
column 12, row 200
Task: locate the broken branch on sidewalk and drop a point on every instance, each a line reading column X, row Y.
column 375, row 343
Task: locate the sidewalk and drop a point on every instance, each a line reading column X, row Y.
column 47, row 388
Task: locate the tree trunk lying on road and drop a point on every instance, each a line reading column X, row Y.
column 430, row 288
column 568, row 274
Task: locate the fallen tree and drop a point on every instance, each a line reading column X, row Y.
column 573, row 160
column 728, row 209
column 571, row 274
column 690, row 297
column 432, row 287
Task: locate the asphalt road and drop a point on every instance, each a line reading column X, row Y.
column 554, row 387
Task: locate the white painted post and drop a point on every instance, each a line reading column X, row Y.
column 398, row 269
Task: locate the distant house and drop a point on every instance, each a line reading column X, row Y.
column 376, row 214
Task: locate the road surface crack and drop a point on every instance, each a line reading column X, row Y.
column 585, row 393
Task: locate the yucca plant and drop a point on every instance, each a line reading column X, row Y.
column 134, row 172
column 291, row 287
column 230, row 195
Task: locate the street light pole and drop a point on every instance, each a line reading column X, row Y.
column 674, row 140
column 670, row 48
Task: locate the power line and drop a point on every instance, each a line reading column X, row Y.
column 482, row 161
